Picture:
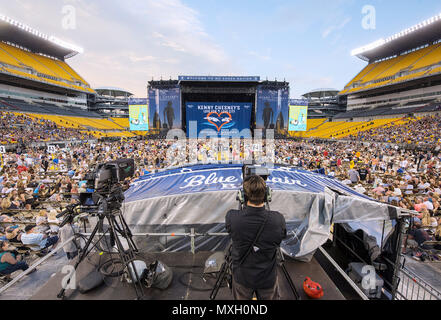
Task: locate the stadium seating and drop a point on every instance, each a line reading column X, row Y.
column 406, row 67
column 432, row 57
column 321, row 128
column 362, row 73
column 87, row 121
column 122, row 122
column 311, row 124
column 37, row 67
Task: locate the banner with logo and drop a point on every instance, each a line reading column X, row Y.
column 165, row 108
column 138, row 114
column 217, row 118
column 298, row 116
column 272, row 108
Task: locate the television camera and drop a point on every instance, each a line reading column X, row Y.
column 105, row 202
column 249, row 170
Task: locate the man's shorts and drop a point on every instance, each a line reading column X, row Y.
column 51, row 241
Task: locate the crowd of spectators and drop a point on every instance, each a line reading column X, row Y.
column 19, row 128
column 422, row 131
column 39, row 183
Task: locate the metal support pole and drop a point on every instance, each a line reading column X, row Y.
column 340, row 270
column 397, row 267
column 192, row 235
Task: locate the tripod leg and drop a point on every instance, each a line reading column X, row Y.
column 128, row 234
column 291, row 284
column 286, row 274
column 220, row 278
column 127, row 258
column 60, row 295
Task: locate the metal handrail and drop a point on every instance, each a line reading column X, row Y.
column 347, row 278
column 415, row 282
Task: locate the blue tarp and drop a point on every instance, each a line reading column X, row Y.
column 198, row 197
column 222, row 177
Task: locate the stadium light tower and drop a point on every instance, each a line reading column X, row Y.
column 37, row 33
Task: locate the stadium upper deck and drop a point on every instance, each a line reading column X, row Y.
column 404, row 68
column 36, row 60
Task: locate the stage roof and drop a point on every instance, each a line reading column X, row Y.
column 22, row 35
column 416, row 36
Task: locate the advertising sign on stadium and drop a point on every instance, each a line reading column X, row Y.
column 217, row 118
column 298, row 116
column 138, row 114
column 219, row 78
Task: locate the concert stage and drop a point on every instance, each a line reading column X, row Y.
column 187, row 281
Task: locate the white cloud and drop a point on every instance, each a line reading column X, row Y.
column 335, row 27
column 128, row 42
column 259, row 56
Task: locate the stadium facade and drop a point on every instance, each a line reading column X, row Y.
column 111, row 101
column 323, row 103
column 403, row 75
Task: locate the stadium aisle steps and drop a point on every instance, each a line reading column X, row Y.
column 122, row 122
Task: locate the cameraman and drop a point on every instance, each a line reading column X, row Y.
column 253, row 253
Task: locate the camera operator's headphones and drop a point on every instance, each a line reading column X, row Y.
column 243, row 198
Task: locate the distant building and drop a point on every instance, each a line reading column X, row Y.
column 324, row 103
column 111, row 101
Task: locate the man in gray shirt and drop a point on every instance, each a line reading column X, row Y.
column 354, row 176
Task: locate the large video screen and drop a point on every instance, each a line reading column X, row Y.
column 272, row 108
column 217, row 118
column 298, row 117
column 138, row 115
column 165, row 108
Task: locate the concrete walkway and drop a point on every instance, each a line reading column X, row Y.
column 29, row 285
column 428, row 271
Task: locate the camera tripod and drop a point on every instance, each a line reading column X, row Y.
column 116, row 229
column 225, row 273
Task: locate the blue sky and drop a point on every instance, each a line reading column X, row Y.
column 308, row 43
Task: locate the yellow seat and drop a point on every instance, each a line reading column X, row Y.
column 19, row 62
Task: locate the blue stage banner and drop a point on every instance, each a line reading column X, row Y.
column 219, row 78
column 272, row 108
column 206, row 178
column 217, row 117
column 138, row 114
column 165, row 108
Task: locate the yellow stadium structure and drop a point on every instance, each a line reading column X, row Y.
column 322, row 128
column 415, row 64
column 19, row 62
